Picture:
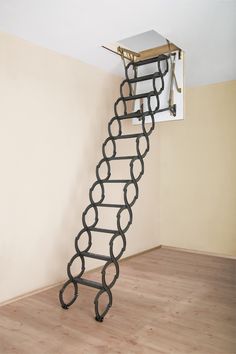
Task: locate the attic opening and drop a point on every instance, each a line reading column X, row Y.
column 147, row 45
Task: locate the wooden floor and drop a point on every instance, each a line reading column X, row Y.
column 165, row 301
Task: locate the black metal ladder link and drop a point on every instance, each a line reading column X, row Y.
column 112, row 235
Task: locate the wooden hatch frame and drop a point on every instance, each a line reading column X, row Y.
column 128, row 54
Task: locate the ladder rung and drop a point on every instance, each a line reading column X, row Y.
column 122, row 157
column 106, row 231
column 144, row 78
column 133, row 115
column 96, row 256
column 111, row 205
column 138, row 96
column 130, row 115
column 117, row 181
column 151, row 60
column 91, row 283
column 139, row 115
column 163, row 109
column 128, row 136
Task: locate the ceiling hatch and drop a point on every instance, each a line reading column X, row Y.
column 148, row 45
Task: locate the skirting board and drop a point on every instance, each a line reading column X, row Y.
column 198, row 252
column 34, row 292
column 121, row 260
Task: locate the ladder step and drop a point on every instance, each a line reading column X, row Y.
column 138, row 96
column 117, row 181
column 123, row 157
column 91, row 283
column 143, row 78
column 139, row 115
column 151, row 60
column 106, row 231
column 163, row 109
column 133, row 115
column 111, row 205
column 130, row 115
column 128, row 136
column 96, row 256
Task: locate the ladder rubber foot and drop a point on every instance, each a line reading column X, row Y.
column 99, row 318
column 65, row 307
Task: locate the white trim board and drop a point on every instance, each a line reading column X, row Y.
column 204, row 253
column 34, row 292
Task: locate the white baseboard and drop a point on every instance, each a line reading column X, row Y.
column 123, row 259
column 198, row 252
column 34, row 292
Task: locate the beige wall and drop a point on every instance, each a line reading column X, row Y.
column 53, row 112
column 198, row 172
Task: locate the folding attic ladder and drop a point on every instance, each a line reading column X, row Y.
column 160, row 58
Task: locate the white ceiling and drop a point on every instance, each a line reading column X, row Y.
column 205, row 29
